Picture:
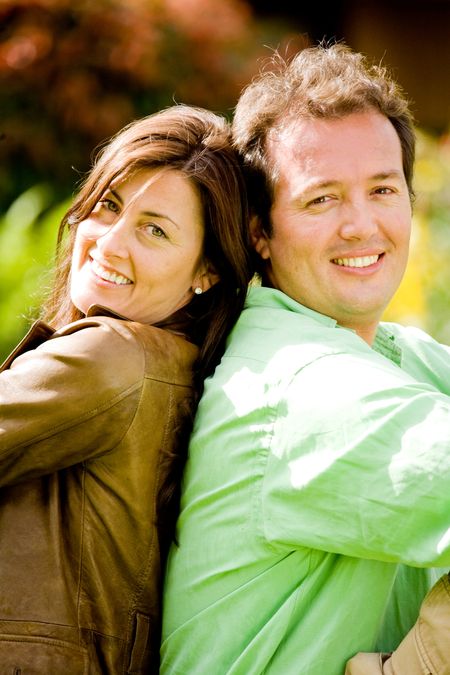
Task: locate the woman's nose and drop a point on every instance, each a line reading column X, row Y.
column 114, row 242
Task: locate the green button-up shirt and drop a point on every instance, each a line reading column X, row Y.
column 316, row 495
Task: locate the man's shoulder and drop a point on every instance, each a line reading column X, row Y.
column 285, row 341
column 400, row 331
column 423, row 357
column 413, row 338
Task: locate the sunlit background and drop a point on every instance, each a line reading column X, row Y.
column 73, row 72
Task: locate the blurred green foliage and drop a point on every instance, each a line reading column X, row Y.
column 27, row 244
column 73, row 72
column 423, row 298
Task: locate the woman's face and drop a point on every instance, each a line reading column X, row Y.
column 139, row 252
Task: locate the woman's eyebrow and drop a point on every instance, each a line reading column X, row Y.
column 154, row 214
column 115, row 194
column 151, row 214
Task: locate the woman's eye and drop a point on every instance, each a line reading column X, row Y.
column 109, row 205
column 155, row 231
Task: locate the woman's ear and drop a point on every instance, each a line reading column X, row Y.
column 259, row 238
column 206, row 278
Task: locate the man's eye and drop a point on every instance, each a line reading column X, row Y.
column 323, row 199
column 383, row 190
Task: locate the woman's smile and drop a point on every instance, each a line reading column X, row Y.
column 109, row 275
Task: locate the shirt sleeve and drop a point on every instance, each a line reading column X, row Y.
column 359, row 464
column 70, row 399
column 423, row 357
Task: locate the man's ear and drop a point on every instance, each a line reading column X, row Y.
column 259, row 238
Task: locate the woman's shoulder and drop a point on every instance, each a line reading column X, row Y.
column 117, row 343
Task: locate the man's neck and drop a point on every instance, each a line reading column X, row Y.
column 366, row 332
column 368, row 336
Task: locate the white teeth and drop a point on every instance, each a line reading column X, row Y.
column 365, row 261
column 114, row 277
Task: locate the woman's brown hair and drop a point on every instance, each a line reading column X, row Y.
column 197, row 143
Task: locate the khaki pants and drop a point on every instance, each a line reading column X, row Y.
column 426, row 648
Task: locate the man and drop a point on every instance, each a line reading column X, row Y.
column 316, row 500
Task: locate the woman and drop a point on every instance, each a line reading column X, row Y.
column 96, row 406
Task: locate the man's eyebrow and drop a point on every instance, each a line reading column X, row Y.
column 386, row 175
column 322, row 185
column 332, row 182
column 313, row 187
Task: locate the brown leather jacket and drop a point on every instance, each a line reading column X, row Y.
column 426, row 648
column 84, row 417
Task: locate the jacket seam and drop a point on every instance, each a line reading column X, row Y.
column 81, row 554
column 134, row 604
column 65, row 426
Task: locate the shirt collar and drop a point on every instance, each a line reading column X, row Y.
column 259, row 296
column 384, row 343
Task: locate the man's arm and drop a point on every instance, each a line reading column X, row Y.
column 359, row 463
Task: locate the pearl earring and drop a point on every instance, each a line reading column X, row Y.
column 198, row 290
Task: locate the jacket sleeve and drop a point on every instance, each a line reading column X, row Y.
column 425, row 649
column 359, row 464
column 71, row 399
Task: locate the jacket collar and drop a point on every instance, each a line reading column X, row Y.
column 37, row 334
column 40, row 332
column 101, row 310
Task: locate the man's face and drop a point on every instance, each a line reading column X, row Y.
column 341, row 217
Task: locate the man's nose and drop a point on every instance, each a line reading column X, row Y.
column 358, row 221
